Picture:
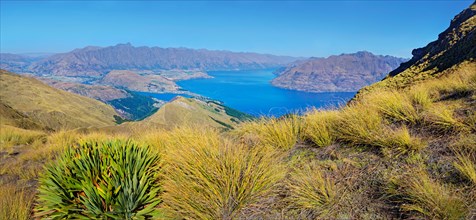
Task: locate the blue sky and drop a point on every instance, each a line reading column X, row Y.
column 297, row 28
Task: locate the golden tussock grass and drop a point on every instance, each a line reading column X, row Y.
column 317, row 127
column 10, row 136
column 441, row 119
column 422, row 196
column 360, row 125
column 395, row 105
column 310, row 189
column 208, row 177
column 15, row 203
column 281, row 133
column 465, row 156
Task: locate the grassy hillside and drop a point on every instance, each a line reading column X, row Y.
column 185, row 111
column 51, row 107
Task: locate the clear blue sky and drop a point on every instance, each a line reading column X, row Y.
column 306, row 28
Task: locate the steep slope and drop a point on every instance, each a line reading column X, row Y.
column 9, row 116
column 342, row 73
column 51, row 107
column 132, row 81
column 189, row 111
column 96, row 61
column 453, row 51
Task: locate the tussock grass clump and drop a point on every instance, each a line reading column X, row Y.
column 359, row 125
column 465, row 152
column 420, row 98
column 422, row 196
column 10, row 136
column 395, row 105
column 317, row 127
column 15, row 203
column 213, row 178
column 466, row 165
column 440, row 118
column 312, row 190
column 282, row 133
column 117, row 179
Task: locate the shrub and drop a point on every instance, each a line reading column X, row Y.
column 115, row 179
column 213, row 178
column 317, row 127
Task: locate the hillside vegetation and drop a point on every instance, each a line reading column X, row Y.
column 52, row 108
column 396, row 151
column 183, row 111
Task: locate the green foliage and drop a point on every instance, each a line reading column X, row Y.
column 237, row 114
column 137, row 106
column 114, row 179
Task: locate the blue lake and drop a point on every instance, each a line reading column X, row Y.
column 251, row 92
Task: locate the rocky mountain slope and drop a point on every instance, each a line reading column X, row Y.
column 50, row 107
column 453, row 51
column 342, row 73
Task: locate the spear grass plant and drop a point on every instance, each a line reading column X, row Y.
column 106, row 180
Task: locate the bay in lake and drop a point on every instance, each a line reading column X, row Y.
column 251, row 92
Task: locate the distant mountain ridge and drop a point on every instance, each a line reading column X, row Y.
column 339, row 73
column 96, row 61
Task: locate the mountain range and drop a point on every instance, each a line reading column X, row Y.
column 96, row 61
column 340, row 73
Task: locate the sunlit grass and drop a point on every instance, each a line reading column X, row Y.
column 420, row 195
column 15, row 203
column 441, row 118
column 317, row 127
column 310, row 189
column 282, row 133
column 10, row 136
column 395, row 105
column 209, row 177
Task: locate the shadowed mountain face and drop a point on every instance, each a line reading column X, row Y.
column 97, row 61
column 342, row 73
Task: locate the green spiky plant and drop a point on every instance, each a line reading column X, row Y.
column 109, row 180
